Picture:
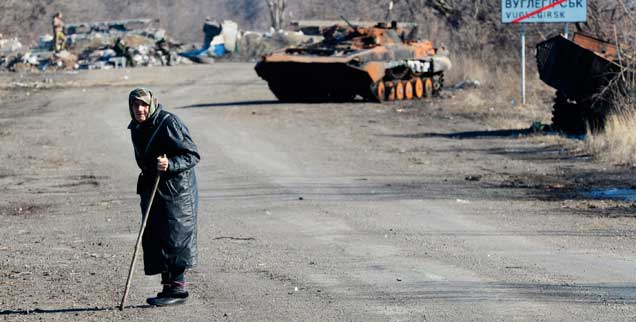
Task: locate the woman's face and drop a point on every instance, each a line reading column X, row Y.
column 140, row 110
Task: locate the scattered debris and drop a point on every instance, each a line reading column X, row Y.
column 22, row 209
column 537, row 127
column 467, row 84
column 210, row 30
column 613, row 193
column 473, row 178
column 229, row 31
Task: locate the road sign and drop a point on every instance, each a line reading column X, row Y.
column 532, row 11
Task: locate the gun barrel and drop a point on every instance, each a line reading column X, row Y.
column 349, row 23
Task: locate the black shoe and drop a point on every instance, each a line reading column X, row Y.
column 165, row 301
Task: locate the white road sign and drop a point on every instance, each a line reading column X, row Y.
column 531, row 11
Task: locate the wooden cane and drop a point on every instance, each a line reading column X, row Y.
column 141, row 233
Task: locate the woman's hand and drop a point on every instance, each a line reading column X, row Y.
column 162, row 163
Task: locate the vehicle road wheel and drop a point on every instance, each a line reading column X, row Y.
column 390, row 88
column 379, row 91
column 428, row 87
column 408, row 90
column 418, row 88
column 399, row 90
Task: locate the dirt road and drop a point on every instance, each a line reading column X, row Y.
column 321, row 212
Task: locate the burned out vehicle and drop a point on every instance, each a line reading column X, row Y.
column 376, row 63
column 588, row 77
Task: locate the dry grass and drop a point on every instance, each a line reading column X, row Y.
column 617, row 144
column 572, row 147
column 497, row 101
column 501, row 83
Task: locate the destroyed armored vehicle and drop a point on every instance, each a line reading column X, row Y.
column 585, row 72
column 377, row 63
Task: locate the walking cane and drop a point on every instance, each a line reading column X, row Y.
column 141, row 233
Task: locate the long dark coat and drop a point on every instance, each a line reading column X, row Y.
column 170, row 239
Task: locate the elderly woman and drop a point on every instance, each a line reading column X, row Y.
column 163, row 147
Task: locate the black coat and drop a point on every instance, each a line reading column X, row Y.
column 170, row 238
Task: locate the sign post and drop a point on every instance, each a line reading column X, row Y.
column 523, row 64
column 540, row 11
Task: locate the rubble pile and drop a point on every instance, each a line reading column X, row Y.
column 98, row 45
column 122, row 43
column 9, row 49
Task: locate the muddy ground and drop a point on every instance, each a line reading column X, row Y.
column 438, row 210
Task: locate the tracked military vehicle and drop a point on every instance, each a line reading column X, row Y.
column 377, row 63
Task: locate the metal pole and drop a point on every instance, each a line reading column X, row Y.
column 523, row 64
column 566, row 31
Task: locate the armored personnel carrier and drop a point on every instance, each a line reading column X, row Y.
column 377, row 63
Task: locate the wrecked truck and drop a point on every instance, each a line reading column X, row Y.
column 587, row 75
column 377, row 63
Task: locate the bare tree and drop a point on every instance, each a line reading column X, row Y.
column 276, row 12
column 248, row 13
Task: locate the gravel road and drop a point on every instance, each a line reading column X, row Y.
column 408, row 211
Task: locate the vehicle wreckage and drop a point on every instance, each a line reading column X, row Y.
column 378, row 63
column 588, row 76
